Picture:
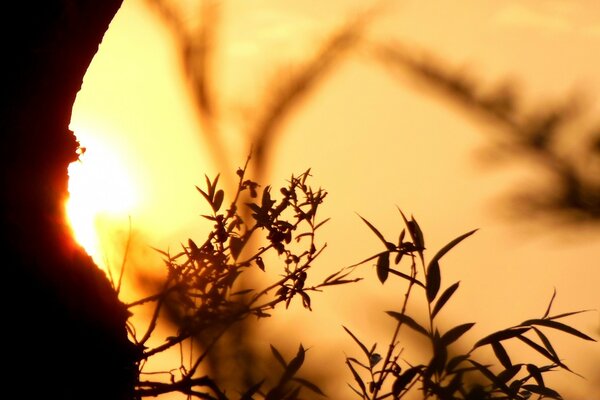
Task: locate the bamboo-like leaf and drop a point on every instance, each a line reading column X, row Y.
column 558, row 325
column 501, row 355
column 546, row 342
column 357, row 378
column 567, row 314
column 455, row 361
column 278, row 356
column 251, row 391
column 509, row 373
column 550, row 304
column 491, row 376
column 534, row 371
column 543, row 352
column 404, row 379
column 387, row 244
column 383, row 267
column 360, row 344
column 501, row 335
column 433, row 280
column 444, row 297
column 450, row 245
column 544, row 391
column 455, row 333
column 294, row 365
column 407, row 277
column 309, row 385
column 405, row 319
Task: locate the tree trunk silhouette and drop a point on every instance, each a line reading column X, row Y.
column 63, row 324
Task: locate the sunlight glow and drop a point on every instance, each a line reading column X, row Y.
column 99, row 185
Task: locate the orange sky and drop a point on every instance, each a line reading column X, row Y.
column 372, row 141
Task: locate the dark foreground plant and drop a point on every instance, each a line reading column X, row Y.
column 204, row 295
column 449, row 376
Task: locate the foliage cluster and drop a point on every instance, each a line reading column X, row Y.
column 205, row 295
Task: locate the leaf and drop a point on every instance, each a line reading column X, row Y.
column 415, row 231
column 357, row 378
column 218, row 200
column 558, row 325
column 509, row 373
column 550, row 304
column 252, row 390
column 383, row 267
column 362, row 346
column 455, row 333
column 433, row 280
column 387, row 244
column 278, row 356
column 309, row 385
column 294, row 365
column 407, row 277
column 534, row 371
column 546, row 342
column 455, row 361
column 235, row 246
column 450, row 245
column 544, row 391
column 501, row 355
column 404, row 379
column 444, row 299
column 491, row 376
column 405, row 319
column 501, row 335
column 544, row 352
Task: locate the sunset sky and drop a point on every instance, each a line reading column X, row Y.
column 373, row 140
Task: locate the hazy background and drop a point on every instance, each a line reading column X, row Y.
column 373, row 141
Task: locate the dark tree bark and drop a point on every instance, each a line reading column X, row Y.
column 63, row 324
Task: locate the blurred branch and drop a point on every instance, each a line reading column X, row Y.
column 573, row 191
column 292, row 86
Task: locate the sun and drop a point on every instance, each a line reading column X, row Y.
column 99, row 185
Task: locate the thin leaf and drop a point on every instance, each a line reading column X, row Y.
column 550, row 304
column 294, row 365
column 378, row 234
column 433, row 280
column 455, row 333
column 544, row 391
column 558, row 325
column 278, row 356
column 534, row 371
column 444, row 299
column 383, row 267
column 502, row 355
column 491, row 376
column 362, row 346
column 450, row 245
column 405, row 319
column 546, row 342
column 501, row 335
column 252, row 390
column 357, row 378
column 309, row 385
column 509, row 373
column 404, row 379
column 455, row 361
column 407, row 277
column 568, row 314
